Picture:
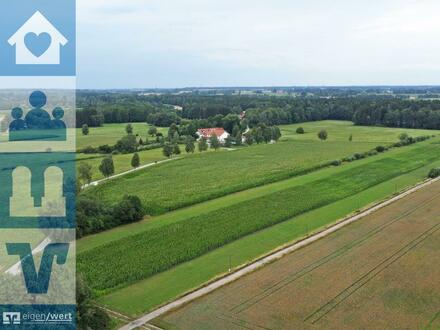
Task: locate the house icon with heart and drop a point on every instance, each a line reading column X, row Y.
column 37, row 42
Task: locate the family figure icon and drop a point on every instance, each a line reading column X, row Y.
column 37, row 124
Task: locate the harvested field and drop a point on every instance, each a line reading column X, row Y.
column 382, row 272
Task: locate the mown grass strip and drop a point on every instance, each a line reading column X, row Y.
column 156, row 290
column 143, row 255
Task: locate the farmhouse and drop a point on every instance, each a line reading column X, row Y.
column 208, row 132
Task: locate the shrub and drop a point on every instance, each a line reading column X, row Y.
column 135, row 161
column 85, row 129
column 105, row 149
column 380, row 148
column 403, row 136
column 150, row 146
column 89, row 150
column 128, row 144
column 128, row 210
column 434, row 173
column 323, row 135
column 92, row 216
column 300, row 130
column 336, row 163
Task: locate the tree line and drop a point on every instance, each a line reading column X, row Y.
column 199, row 111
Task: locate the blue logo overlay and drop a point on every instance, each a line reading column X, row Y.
column 37, row 165
column 37, row 124
column 38, row 282
column 38, row 190
column 37, row 317
column 38, row 38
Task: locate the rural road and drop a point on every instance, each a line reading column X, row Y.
column 266, row 260
column 95, row 183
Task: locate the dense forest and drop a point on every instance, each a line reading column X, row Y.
column 211, row 109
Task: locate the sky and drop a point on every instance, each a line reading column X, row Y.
column 211, row 43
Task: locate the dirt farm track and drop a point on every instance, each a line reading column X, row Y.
column 382, row 272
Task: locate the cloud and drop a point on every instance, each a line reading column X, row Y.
column 281, row 42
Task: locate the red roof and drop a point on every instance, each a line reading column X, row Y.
column 208, row 132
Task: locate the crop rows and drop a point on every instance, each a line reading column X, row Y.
column 145, row 254
column 199, row 178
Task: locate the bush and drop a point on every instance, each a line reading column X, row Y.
column 300, row 130
column 105, row 149
column 336, row 163
column 128, row 210
column 434, row 173
column 323, row 135
column 89, row 150
column 150, row 146
column 128, row 144
column 380, row 148
column 94, row 216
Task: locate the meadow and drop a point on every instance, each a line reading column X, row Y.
column 110, row 133
column 162, row 248
column 207, row 176
column 150, row 293
column 341, row 130
column 375, row 273
column 122, row 162
column 283, row 163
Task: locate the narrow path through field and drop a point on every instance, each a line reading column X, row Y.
column 266, row 260
column 95, row 183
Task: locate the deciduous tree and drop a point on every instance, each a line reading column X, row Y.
column 85, row 172
column 85, row 129
column 135, row 161
column 214, row 142
column 107, row 167
column 202, row 145
column 323, row 135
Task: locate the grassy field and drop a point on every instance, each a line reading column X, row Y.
column 207, row 176
column 169, row 244
column 375, row 273
column 278, row 162
column 160, row 288
column 122, row 162
column 110, row 133
column 341, row 131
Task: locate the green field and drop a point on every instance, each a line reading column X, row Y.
column 122, row 162
column 158, row 249
column 147, row 294
column 382, row 265
column 211, row 175
column 110, row 133
column 230, row 214
column 341, row 130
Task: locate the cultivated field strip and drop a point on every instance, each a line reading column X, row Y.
column 377, row 271
column 140, row 256
column 371, row 274
column 279, row 285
